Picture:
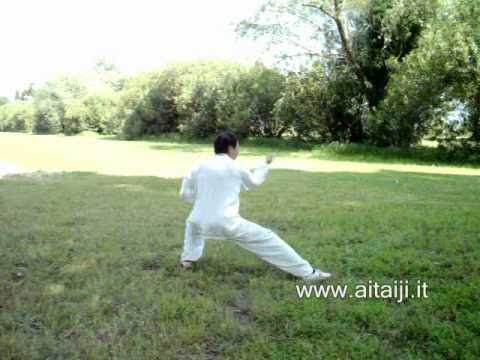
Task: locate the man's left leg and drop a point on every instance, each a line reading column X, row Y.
column 269, row 247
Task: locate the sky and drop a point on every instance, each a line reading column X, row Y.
column 42, row 39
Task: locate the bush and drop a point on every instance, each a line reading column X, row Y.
column 321, row 108
column 441, row 70
column 195, row 99
column 74, row 119
column 17, row 116
column 197, row 108
column 148, row 104
column 219, row 96
column 247, row 101
column 49, row 110
column 3, row 100
column 48, row 117
column 199, row 97
column 101, row 112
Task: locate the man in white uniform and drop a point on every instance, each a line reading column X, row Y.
column 213, row 187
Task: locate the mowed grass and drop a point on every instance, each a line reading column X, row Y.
column 89, row 258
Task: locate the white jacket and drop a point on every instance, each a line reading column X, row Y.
column 214, row 187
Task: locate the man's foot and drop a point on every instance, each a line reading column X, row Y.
column 316, row 275
column 187, row 264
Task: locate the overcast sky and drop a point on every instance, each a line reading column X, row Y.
column 42, row 38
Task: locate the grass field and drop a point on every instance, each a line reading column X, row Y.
column 89, row 257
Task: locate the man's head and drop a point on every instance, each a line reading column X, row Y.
column 227, row 143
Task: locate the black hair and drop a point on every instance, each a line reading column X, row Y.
column 223, row 141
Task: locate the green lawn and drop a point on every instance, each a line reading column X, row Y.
column 89, row 257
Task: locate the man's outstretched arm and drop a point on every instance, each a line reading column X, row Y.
column 257, row 176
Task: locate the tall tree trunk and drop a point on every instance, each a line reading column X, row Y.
column 336, row 16
column 347, row 49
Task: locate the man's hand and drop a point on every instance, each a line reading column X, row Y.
column 269, row 159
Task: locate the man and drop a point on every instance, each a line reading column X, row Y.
column 213, row 187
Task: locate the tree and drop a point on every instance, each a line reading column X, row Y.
column 25, row 94
column 322, row 107
column 148, row 104
column 101, row 112
column 51, row 102
column 74, row 119
column 16, row 116
column 318, row 16
column 247, row 99
column 49, row 111
column 368, row 38
column 3, row 100
column 109, row 74
column 444, row 68
column 203, row 100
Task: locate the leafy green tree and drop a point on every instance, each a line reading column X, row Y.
column 202, row 101
column 148, row 104
column 16, row 116
column 74, row 119
column 444, row 68
column 218, row 96
column 49, row 111
column 354, row 41
column 322, row 108
column 51, row 102
column 385, row 32
column 101, row 112
column 324, row 22
column 247, row 101
column 25, row 94
column 3, row 100
column 109, row 74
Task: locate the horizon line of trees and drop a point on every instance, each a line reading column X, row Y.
column 389, row 72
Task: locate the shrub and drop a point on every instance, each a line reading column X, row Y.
column 101, row 112
column 17, row 116
column 49, row 110
column 321, row 108
column 147, row 104
column 74, row 119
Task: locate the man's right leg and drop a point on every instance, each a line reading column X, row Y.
column 193, row 244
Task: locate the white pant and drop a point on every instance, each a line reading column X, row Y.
column 261, row 241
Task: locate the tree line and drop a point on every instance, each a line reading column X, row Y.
column 383, row 72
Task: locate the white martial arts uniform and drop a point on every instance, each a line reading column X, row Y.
column 214, row 188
